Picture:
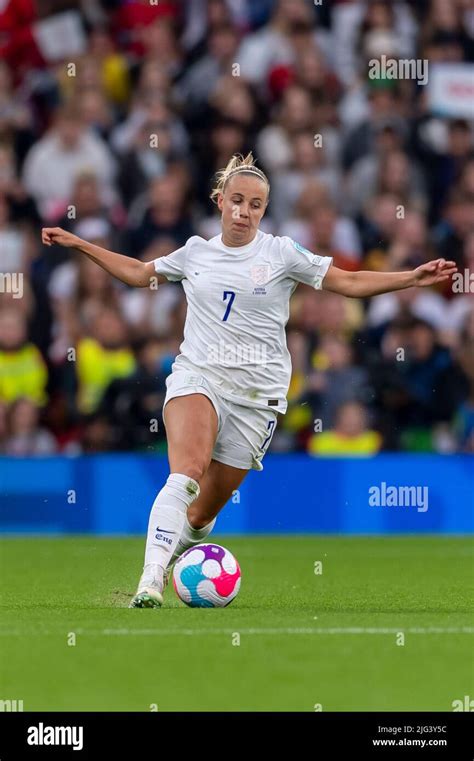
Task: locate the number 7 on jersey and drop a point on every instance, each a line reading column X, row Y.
column 229, row 305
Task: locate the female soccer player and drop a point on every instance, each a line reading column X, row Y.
column 232, row 374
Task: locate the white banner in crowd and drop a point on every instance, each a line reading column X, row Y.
column 451, row 89
column 60, row 37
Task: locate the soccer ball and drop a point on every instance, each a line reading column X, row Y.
column 206, row 576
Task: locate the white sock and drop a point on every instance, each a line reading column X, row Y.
column 166, row 523
column 191, row 536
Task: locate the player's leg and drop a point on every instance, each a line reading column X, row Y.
column 217, row 486
column 191, row 428
column 241, row 443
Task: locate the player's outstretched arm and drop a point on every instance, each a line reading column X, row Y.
column 362, row 284
column 128, row 270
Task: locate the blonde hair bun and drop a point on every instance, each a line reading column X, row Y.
column 237, row 164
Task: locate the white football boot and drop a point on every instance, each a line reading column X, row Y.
column 150, row 588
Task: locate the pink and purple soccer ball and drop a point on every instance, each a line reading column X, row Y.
column 207, row 576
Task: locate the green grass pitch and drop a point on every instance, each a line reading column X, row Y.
column 328, row 640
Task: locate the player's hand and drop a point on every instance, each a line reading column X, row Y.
column 433, row 272
column 60, row 237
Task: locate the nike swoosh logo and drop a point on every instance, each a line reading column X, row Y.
column 162, row 531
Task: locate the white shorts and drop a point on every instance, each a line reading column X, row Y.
column 243, row 434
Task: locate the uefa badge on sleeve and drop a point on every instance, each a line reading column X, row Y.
column 314, row 257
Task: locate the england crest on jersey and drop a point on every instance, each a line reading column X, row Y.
column 260, row 274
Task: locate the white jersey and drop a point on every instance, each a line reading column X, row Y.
column 238, row 306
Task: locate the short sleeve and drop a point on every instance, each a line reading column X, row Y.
column 172, row 266
column 302, row 265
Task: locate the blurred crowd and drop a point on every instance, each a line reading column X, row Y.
column 114, row 117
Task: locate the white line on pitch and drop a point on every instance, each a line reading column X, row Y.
column 284, row 630
column 268, row 631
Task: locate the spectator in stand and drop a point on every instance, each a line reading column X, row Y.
column 23, row 372
column 411, row 243
column 20, row 206
column 96, row 112
column 150, row 106
column 87, row 201
column 384, row 106
column 309, row 162
column 160, row 45
column 415, row 373
column 378, row 225
column 292, row 114
column 383, row 171
column 12, row 239
column 112, row 65
column 133, row 405
column 329, row 234
column 148, row 159
column 446, row 21
column 456, row 225
column 195, row 87
column 350, row 435
column 162, row 211
column 272, row 45
column 53, row 163
column 103, row 355
column 16, row 113
column 26, row 436
column 454, row 398
column 333, row 379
